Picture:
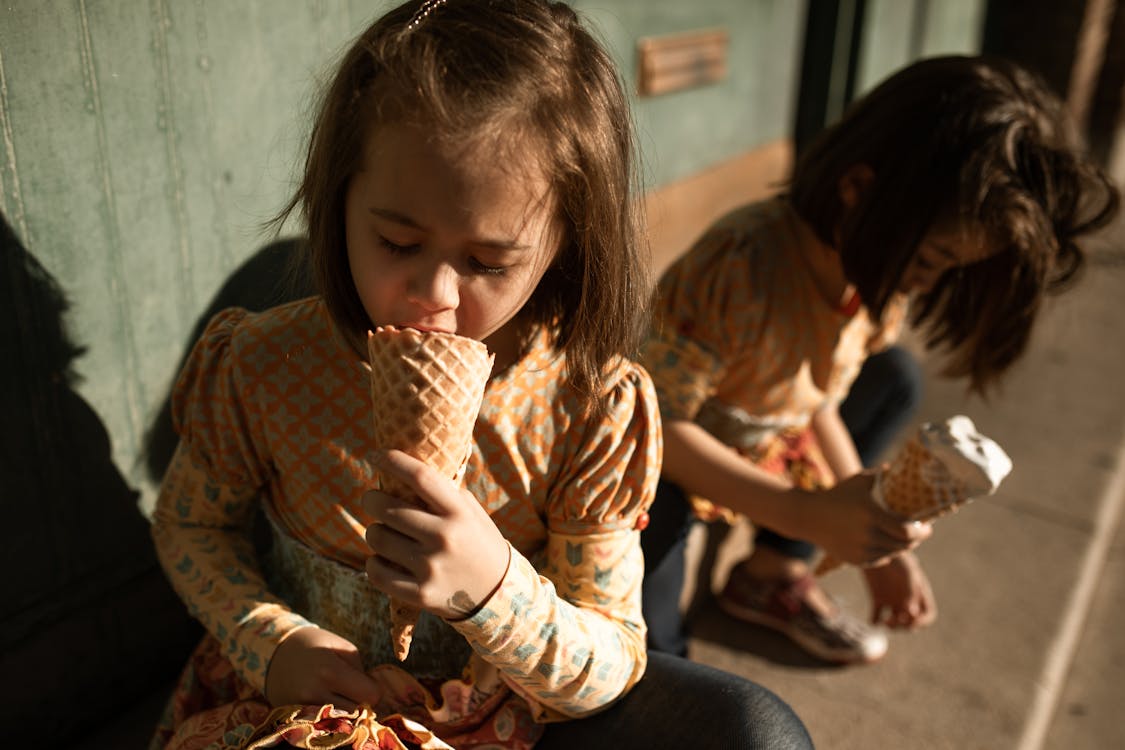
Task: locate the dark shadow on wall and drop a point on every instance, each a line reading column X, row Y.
column 272, row 276
column 88, row 621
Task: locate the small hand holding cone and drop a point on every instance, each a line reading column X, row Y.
column 426, row 392
column 938, row 470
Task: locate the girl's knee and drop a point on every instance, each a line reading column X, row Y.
column 772, row 723
column 743, row 713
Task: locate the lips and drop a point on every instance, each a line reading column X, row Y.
column 423, row 328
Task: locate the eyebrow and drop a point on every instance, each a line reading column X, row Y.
column 401, row 218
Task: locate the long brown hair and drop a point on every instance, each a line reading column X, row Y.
column 497, row 73
column 959, row 140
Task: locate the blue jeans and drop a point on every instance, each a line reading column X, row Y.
column 680, row 703
column 881, row 401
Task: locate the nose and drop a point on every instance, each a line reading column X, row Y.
column 433, row 287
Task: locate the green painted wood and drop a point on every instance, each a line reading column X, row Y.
column 145, row 143
column 953, row 27
column 683, row 132
column 900, row 31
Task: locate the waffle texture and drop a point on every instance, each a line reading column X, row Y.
column 933, row 475
column 918, row 486
column 426, row 390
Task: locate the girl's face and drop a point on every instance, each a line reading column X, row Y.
column 445, row 239
column 945, row 248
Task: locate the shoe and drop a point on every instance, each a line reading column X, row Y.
column 782, row 606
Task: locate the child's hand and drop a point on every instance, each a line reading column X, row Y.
column 901, row 596
column 441, row 552
column 847, row 522
column 315, row 666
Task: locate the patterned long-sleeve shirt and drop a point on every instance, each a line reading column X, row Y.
column 744, row 343
column 274, row 409
column 739, row 319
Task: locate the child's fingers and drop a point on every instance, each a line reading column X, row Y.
column 401, row 514
column 355, row 686
column 393, row 580
column 437, row 492
column 395, row 547
column 886, row 542
column 913, row 617
column 909, row 533
column 315, row 666
column 342, row 702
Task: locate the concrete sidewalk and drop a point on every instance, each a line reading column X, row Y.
column 1029, row 648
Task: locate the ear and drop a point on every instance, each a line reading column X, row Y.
column 854, row 183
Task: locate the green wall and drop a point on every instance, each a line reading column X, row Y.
column 898, row 31
column 682, row 132
column 144, row 142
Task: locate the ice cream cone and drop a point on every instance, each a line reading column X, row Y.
column 937, row 471
column 426, row 389
column 916, row 485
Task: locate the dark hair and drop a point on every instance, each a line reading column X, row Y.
column 496, row 72
column 959, row 140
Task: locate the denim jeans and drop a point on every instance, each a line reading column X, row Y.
column 680, row 703
column 881, row 401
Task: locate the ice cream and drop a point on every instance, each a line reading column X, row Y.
column 426, row 390
column 944, row 466
column 939, row 469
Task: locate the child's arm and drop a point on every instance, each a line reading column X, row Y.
column 699, row 463
column 200, row 531
column 836, row 442
column 570, row 634
column 200, row 527
column 845, row 521
column 901, row 595
column 567, row 636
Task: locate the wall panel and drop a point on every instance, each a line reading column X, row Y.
column 144, row 142
column 899, row 31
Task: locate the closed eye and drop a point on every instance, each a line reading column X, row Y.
column 484, row 268
column 397, row 249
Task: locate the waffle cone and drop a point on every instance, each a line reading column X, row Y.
column 918, row 486
column 426, row 388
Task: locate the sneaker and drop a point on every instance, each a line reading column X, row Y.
column 836, row 637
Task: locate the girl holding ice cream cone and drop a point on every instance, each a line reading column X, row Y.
column 470, row 173
column 955, row 187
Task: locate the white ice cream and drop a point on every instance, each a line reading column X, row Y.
column 971, row 458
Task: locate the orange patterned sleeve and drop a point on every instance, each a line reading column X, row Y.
column 206, row 503
column 569, row 636
column 706, row 312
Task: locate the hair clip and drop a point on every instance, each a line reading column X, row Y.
column 420, row 15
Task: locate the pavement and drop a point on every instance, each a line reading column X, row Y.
column 1028, row 651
